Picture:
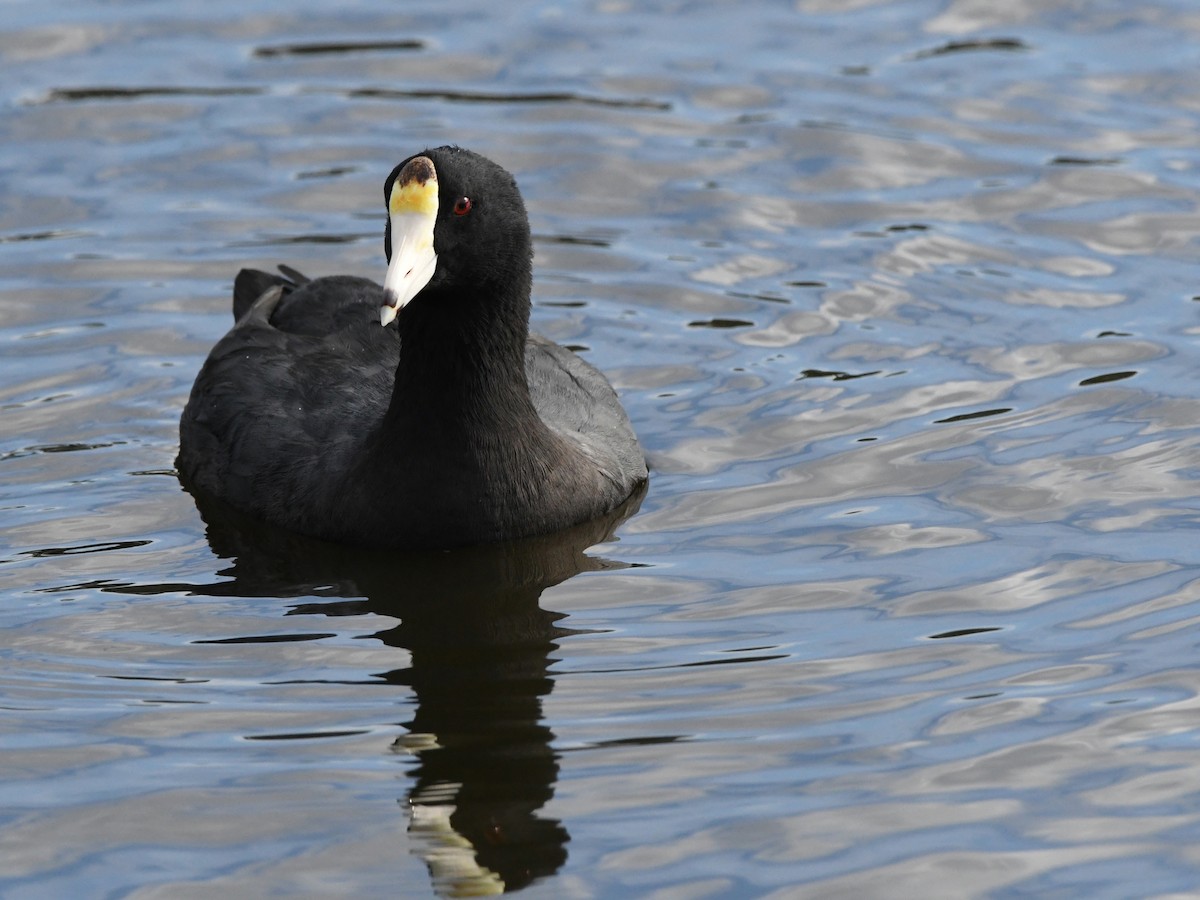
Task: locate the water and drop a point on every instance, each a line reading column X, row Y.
column 901, row 298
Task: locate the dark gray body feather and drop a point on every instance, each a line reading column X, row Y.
column 286, row 422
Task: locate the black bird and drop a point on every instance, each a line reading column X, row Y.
column 449, row 424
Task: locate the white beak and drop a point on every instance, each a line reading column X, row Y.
column 412, row 212
column 412, row 265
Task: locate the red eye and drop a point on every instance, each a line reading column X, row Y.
column 462, row 206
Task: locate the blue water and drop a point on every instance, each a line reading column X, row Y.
column 901, row 299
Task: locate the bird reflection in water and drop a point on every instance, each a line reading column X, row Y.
column 480, row 654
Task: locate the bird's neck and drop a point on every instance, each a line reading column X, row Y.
column 462, row 445
column 462, row 367
column 461, row 434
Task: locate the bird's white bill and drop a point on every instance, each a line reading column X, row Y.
column 413, row 260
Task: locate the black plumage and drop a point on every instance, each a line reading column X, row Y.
column 453, row 425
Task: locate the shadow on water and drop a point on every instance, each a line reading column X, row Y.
column 480, row 655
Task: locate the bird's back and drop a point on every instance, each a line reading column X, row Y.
column 284, row 398
column 282, row 410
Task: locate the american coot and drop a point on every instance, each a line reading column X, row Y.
column 449, row 425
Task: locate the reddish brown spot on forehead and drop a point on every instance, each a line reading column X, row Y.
column 417, row 170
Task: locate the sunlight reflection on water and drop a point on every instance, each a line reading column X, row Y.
column 901, row 300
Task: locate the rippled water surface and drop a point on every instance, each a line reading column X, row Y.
column 901, row 298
